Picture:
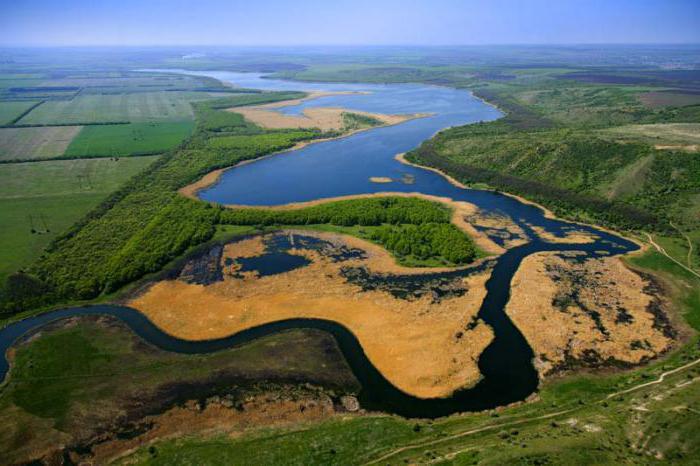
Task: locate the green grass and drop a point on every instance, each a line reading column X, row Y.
column 684, row 286
column 134, row 138
column 660, row 133
column 70, row 382
column 55, row 192
column 11, row 110
column 134, row 107
column 36, row 143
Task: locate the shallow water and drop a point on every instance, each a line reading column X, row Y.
column 343, row 167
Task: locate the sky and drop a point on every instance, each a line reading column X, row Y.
column 346, row 22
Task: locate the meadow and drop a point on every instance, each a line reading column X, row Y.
column 130, row 139
column 39, row 201
column 36, row 143
column 107, row 108
column 10, row 111
column 98, row 367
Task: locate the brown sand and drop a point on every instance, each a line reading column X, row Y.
column 681, row 147
column 421, row 346
column 323, row 118
column 380, row 179
column 556, row 334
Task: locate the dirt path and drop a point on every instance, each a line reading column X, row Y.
column 690, row 244
column 663, row 251
column 504, row 425
column 661, row 378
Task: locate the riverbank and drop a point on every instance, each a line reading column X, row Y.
column 418, row 342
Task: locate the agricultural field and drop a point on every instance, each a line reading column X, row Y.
column 129, row 139
column 40, row 200
column 656, row 99
column 11, row 110
column 107, row 108
column 36, row 143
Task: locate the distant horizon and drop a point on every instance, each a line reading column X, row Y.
column 321, row 45
column 273, row 23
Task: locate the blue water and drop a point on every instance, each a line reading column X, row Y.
column 342, row 167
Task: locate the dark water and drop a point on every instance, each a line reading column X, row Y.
column 343, row 167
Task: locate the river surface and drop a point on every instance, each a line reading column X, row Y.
column 343, row 167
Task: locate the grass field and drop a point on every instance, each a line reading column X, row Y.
column 669, row 99
column 134, row 138
column 55, row 194
column 11, row 110
column 99, row 368
column 681, row 134
column 36, row 143
column 134, row 107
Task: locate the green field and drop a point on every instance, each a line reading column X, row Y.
column 36, row 143
column 134, row 138
column 98, row 368
column 11, row 110
column 97, row 108
column 49, row 197
column 658, row 134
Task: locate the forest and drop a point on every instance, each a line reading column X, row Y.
column 144, row 225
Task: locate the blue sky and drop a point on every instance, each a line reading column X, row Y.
column 356, row 22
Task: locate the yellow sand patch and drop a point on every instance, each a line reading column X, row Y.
column 419, row 345
column 323, row 118
column 380, row 179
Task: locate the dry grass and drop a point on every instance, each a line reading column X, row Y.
column 558, row 328
column 414, row 343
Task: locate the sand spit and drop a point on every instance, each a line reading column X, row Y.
column 586, row 314
column 323, row 118
column 426, row 348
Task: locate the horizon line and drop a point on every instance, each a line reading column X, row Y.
column 496, row 44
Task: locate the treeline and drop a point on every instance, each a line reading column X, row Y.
column 564, row 202
column 145, row 224
column 441, row 241
column 367, row 212
column 352, row 121
column 210, row 117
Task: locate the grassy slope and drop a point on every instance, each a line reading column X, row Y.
column 59, row 192
column 574, row 421
column 72, row 380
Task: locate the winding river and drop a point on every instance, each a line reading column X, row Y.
column 343, row 167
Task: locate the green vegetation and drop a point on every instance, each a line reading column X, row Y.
column 35, row 143
column 130, row 139
column 355, row 121
column 210, row 118
column 261, row 143
column 66, row 385
column 369, row 211
column 416, row 231
column 146, row 224
column 577, row 420
column 10, row 111
column 105, row 108
column 428, row 241
column 663, row 134
column 39, row 201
